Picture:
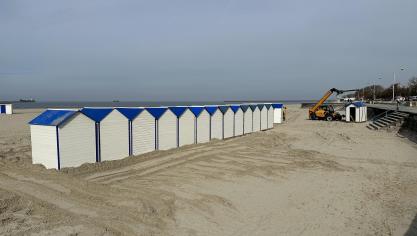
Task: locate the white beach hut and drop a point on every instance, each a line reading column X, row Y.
column 256, row 118
column 141, row 130
column 202, row 124
column 237, row 120
column 277, row 112
column 6, row 109
column 216, row 122
column 270, row 111
column 247, row 119
column 113, row 132
column 227, row 121
column 166, row 127
column 264, row 116
column 356, row 112
column 185, row 125
column 63, row 138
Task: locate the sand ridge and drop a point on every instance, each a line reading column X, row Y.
column 300, row 178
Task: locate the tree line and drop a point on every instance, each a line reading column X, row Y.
column 385, row 93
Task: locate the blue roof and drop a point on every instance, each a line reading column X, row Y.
column 211, row 109
column 234, row 108
column 268, row 105
column 130, row 112
column 178, row 111
column 196, row 110
column 53, row 117
column 156, row 112
column 277, row 105
column 358, row 104
column 224, row 109
column 252, row 107
column 261, row 106
column 244, row 107
column 96, row 114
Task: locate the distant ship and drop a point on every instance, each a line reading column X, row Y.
column 27, row 100
column 116, row 101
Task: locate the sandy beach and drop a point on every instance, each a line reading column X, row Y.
column 301, row 178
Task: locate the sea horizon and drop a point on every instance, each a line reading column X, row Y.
column 78, row 104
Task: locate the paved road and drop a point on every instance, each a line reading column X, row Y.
column 412, row 110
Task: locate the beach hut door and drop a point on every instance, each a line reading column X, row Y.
column 353, row 114
column 2, row 108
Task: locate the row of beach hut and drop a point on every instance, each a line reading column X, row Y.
column 69, row 138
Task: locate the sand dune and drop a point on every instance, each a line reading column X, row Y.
column 300, row 178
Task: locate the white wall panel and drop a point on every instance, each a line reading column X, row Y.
column 256, row 120
column 228, row 123
column 366, row 113
column 217, row 125
column 248, row 121
column 264, row 119
column 167, row 131
column 271, row 118
column 114, row 137
column 203, row 127
column 9, row 109
column 347, row 114
column 143, row 133
column 77, row 141
column 44, row 146
column 186, row 128
column 238, row 122
column 277, row 115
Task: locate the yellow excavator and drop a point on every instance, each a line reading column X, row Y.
column 321, row 111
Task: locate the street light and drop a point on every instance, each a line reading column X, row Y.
column 393, row 86
column 374, row 88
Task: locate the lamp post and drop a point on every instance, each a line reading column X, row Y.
column 374, row 89
column 393, row 86
column 393, row 89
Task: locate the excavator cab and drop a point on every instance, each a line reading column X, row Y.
column 325, row 112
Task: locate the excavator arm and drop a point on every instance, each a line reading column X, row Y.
column 326, row 96
column 322, row 100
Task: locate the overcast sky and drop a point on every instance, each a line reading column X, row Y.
column 201, row 50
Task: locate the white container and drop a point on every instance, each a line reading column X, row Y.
column 113, row 132
column 6, row 109
column 142, row 127
column 264, row 116
column 202, row 124
column 166, row 127
column 227, row 121
column 356, row 112
column 216, row 122
column 185, row 125
column 63, row 138
column 270, row 111
column 247, row 119
column 277, row 112
column 256, row 118
column 237, row 120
